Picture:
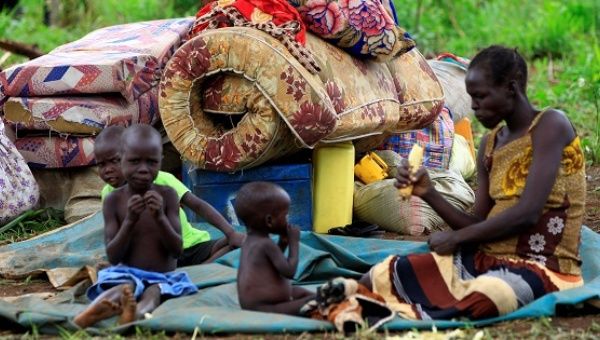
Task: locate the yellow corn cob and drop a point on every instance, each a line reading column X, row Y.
column 415, row 159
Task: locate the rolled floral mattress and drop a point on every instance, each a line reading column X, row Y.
column 234, row 98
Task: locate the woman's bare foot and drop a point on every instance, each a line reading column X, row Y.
column 104, row 309
column 128, row 306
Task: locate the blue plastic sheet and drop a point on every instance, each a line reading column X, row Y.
column 215, row 308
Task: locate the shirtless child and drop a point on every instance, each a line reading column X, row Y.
column 264, row 271
column 198, row 247
column 143, row 238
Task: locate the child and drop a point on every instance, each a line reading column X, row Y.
column 264, row 271
column 143, row 238
column 522, row 240
column 197, row 246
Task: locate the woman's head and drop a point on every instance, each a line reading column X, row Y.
column 503, row 64
column 496, row 81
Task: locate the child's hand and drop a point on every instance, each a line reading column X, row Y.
column 135, row 206
column 236, row 239
column 154, row 201
column 293, row 234
column 283, row 242
column 443, row 242
column 420, row 179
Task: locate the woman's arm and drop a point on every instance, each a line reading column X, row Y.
column 454, row 217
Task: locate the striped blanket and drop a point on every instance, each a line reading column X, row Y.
column 467, row 284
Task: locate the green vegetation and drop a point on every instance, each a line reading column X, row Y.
column 559, row 38
column 31, row 223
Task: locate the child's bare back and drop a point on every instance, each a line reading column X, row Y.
column 264, row 273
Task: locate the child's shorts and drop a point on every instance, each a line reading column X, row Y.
column 196, row 254
column 171, row 284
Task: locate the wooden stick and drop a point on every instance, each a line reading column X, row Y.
column 29, row 51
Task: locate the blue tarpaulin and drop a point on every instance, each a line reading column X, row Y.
column 215, row 308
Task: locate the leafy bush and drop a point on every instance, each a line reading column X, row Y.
column 559, row 39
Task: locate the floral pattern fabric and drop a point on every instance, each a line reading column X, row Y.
column 363, row 28
column 18, row 189
column 226, row 111
column 56, row 151
column 554, row 240
column 275, row 17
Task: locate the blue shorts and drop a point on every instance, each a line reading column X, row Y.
column 172, row 284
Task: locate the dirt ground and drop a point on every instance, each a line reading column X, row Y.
column 579, row 327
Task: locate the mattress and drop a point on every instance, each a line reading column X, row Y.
column 234, row 98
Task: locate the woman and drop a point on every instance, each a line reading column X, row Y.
column 522, row 240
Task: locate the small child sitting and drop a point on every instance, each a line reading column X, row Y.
column 264, row 271
column 197, row 245
column 143, row 238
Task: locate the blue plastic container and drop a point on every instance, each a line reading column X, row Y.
column 219, row 189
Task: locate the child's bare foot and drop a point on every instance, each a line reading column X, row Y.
column 96, row 312
column 128, row 305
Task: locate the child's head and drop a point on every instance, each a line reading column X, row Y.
column 141, row 155
column 497, row 77
column 263, row 206
column 107, row 151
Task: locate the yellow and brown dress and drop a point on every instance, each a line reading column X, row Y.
column 504, row 275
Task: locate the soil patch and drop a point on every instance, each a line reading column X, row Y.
column 17, row 288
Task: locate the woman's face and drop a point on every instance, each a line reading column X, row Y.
column 490, row 102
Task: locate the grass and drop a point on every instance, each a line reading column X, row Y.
column 31, row 223
column 541, row 328
column 560, row 40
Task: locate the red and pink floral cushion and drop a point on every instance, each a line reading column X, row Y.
column 363, row 28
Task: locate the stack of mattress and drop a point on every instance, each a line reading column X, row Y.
column 234, row 98
column 60, row 101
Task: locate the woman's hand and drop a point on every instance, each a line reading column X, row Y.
column 443, row 242
column 419, row 180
